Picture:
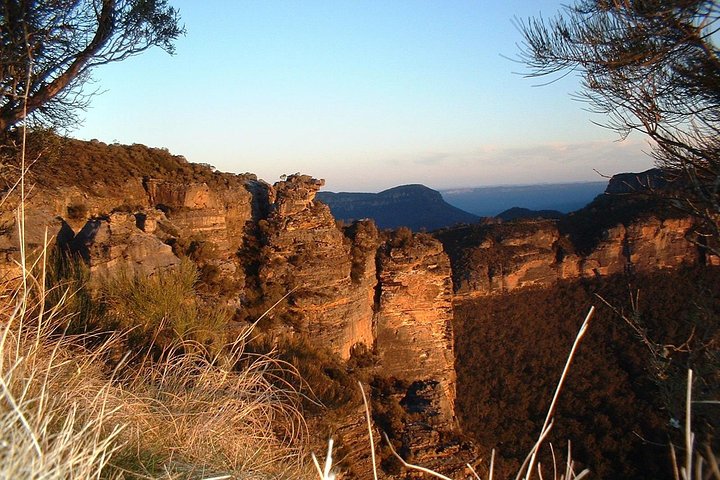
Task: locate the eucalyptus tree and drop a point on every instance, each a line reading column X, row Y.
column 649, row 66
column 49, row 49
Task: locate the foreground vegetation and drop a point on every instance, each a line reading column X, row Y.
column 625, row 398
column 87, row 406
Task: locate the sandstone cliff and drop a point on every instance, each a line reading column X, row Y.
column 329, row 277
column 414, row 338
column 140, row 209
column 78, row 186
column 494, row 258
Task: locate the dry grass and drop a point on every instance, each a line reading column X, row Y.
column 58, row 419
column 206, row 416
column 73, row 412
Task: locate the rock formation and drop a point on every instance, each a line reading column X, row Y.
column 495, row 258
column 329, row 278
column 414, row 333
column 498, row 257
column 115, row 242
column 341, row 285
column 629, row 183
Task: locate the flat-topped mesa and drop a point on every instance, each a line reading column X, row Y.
column 414, row 320
column 632, row 183
column 329, row 277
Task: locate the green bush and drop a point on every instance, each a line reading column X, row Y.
column 66, row 279
column 162, row 309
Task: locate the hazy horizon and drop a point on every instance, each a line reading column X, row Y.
column 366, row 95
column 468, row 188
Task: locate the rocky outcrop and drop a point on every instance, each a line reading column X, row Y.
column 657, row 244
column 219, row 215
column 495, row 258
column 329, row 277
column 115, row 242
column 414, row 332
column 57, row 213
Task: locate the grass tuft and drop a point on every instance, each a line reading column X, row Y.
column 69, row 411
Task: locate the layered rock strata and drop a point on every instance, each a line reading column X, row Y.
column 492, row 259
column 414, row 320
column 329, row 278
column 115, row 242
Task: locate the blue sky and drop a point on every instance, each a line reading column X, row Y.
column 367, row 94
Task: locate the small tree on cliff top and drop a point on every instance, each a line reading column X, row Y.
column 651, row 66
column 48, row 48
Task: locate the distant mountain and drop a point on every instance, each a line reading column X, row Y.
column 490, row 201
column 414, row 206
column 653, row 179
column 518, row 213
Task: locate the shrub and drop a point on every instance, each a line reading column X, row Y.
column 328, row 383
column 162, row 309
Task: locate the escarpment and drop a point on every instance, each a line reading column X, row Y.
column 274, row 250
column 495, row 258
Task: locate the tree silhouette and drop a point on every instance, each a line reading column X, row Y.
column 651, row 66
column 48, row 49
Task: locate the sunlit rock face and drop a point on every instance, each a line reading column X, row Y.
column 610, row 255
column 657, row 244
column 55, row 215
column 115, row 243
column 329, row 277
column 642, row 246
column 497, row 258
column 414, row 320
column 219, row 214
column 78, row 186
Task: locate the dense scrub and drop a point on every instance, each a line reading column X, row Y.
column 70, row 162
column 620, row 400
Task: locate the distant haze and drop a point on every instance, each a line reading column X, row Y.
column 489, row 201
column 364, row 94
